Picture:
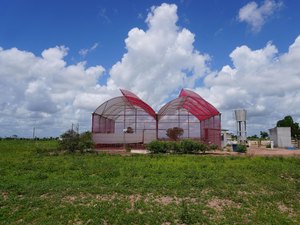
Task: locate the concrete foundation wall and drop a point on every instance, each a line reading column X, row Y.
column 263, row 143
column 281, row 136
column 145, row 137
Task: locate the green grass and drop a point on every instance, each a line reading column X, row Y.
column 41, row 188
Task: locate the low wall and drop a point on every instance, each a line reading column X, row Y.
column 259, row 143
column 264, row 143
column 144, row 137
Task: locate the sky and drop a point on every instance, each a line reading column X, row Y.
column 59, row 60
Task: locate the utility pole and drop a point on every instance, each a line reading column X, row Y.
column 33, row 133
column 77, row 128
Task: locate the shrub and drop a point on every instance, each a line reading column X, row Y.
column 69, row 141
column 203, row 147
column 185, row 146
column 157, row 147
column 173, row 147
column 241, row 148
column 72, row 141
column 188, row 146
column 85, row 142
column 213, row 147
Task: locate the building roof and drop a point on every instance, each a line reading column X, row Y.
column 136, row 101
column 187, row 99
column 192, row 102
column 112, row 108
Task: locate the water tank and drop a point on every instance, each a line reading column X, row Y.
column 240, row 115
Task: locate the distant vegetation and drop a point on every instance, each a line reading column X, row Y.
column 15, row 137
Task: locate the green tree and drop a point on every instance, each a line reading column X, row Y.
column 253, row 137
column 175, row 133
column 69, row 141
column 72, row 141
column 264, row 135
column 288, row 121
column 85, row 141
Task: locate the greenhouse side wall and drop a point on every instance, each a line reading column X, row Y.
column 211, row 130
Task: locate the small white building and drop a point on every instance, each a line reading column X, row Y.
column 226, row 138
column 281, row 136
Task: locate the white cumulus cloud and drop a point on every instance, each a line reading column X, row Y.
column 255, row 16
column 159, row 60
column 44, row 92
column 262, row 81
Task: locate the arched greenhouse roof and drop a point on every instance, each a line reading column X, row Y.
column 136, row 101
column 187, row 99
column 192, row 102
column 112, row 108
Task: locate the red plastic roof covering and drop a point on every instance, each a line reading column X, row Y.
column 112, row 108
column 135, row 100
column 193, row 103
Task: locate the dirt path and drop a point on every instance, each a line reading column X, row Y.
column 251, row 151
column 272, row 152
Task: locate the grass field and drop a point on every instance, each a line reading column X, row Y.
column 39, row 188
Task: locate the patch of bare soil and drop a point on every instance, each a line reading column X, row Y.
column 284, row 209
column 69, row 199
column 166, row 200
column 220, row 204
column 83, row 196
column 5, row 195
column 132, row 199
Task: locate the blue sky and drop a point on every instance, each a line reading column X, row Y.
column 91, row 34
column 34, row 25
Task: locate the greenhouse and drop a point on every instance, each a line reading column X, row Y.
column 127, row 119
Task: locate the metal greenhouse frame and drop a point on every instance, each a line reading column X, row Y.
column 129, row 120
